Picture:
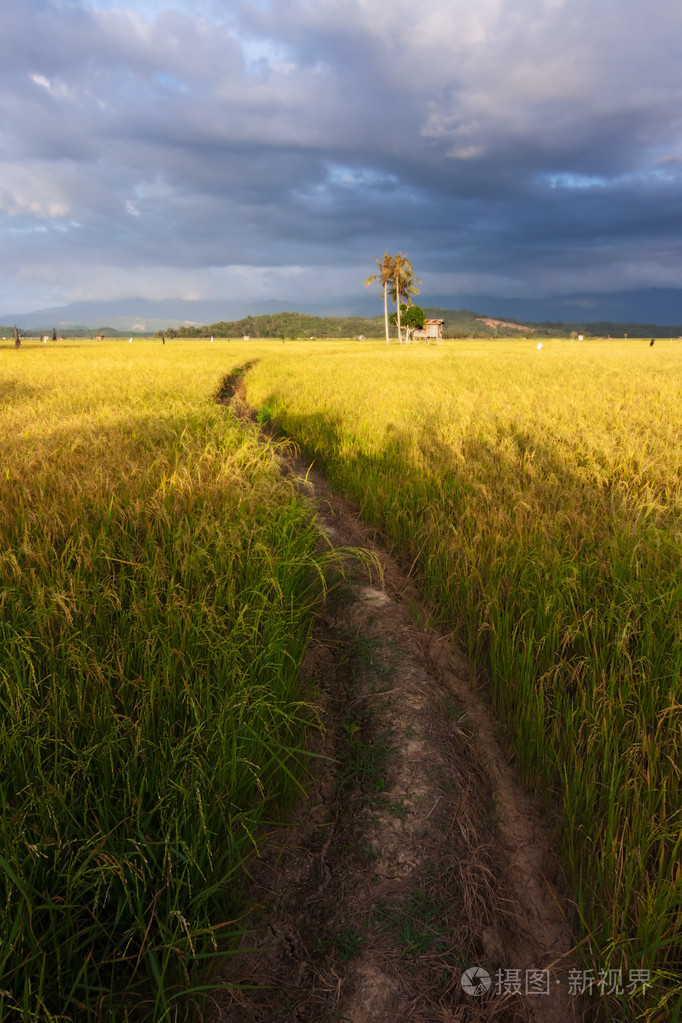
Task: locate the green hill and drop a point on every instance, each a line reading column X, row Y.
column 458, row 323
column 288, row 324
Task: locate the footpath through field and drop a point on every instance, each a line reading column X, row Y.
column 417, row 867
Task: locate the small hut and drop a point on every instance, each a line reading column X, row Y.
column 431, row 328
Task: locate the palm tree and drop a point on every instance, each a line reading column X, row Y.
column 385, row 275
column 404, row 285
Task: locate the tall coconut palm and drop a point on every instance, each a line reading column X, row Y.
column 404, row 285
column 385, row 276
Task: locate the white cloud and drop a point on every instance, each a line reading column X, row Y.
column 31, row 190
column 55, row 88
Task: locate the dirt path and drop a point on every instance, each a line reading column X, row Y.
column 417, row 855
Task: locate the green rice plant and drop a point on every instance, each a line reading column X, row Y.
column 537, row 497
column 264, row 416
column 158, row 579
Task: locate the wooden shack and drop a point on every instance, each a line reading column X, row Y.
column 431, row 328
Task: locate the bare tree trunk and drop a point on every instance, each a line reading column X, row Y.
column 386, row 308
column 17, row 339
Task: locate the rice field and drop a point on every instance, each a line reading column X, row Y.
column 158, row 579
column 157, row 584
column 538, row 495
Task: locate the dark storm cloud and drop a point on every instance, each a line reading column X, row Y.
column 168, row 148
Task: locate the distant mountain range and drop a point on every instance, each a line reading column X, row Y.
column 644, row 306
column 145, row 315
column 655, row 310
column 142, row 315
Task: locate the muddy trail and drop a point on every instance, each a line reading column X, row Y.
column 416, row 855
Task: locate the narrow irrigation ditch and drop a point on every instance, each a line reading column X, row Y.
column 416, row 862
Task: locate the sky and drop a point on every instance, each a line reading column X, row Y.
column 267, row 149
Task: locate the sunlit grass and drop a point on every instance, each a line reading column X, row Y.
column 157, row 581
column 541, row 494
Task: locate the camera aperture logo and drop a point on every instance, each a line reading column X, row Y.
column 476, row 981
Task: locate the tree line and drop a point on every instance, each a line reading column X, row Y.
column 284, row 325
